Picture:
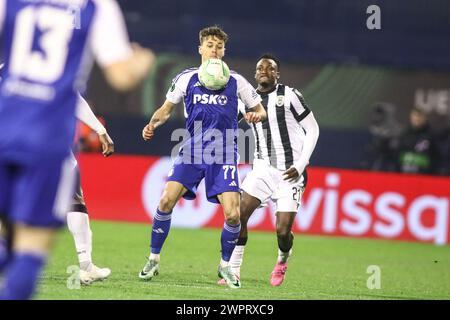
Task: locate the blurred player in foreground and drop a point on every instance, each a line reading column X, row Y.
column 285, row 142
column 216, row 113
column 77, row 217
column 45, row 55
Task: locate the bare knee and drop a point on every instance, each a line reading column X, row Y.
column 173, row 191
column 232, row 215
column 167, row 203
column 283, row 232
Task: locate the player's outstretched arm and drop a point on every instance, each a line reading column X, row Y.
column 257, row 114
column 125, row 75
column 159, row 118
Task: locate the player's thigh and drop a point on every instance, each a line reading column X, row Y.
column 230, row 201
column 33, row 239
column 219, row 179
column 248, row 205
column 258, row 184
column 172, row 192
column 287, row 197
column 185, row 178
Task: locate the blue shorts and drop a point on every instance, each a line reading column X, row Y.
column 36, row 194
column 219, row 178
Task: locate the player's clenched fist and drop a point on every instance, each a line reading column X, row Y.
column 107, row 144
column 148, row 132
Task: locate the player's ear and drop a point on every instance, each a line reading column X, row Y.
column 200, row 50
column 278, row 75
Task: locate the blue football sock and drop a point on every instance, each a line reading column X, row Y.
column 160, row 230
column 21, row 276
column 230, row 235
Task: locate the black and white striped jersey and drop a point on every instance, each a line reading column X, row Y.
column 279, row 139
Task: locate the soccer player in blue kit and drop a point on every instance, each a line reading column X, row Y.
column 77, row 216
column 46, row 58
column 208, row 112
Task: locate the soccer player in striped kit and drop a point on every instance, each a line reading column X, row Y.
column 78, row 217
column 284, row 144
column 47, row 58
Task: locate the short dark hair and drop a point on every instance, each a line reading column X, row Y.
column 419, row 110
column 215, row 31
column 271, row 57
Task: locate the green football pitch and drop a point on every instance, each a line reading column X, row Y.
column 320, row 268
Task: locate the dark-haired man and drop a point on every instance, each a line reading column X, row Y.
column 284, row 144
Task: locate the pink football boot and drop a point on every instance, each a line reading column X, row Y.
column 278, row 274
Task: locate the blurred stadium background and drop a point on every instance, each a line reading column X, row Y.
column 361, row 85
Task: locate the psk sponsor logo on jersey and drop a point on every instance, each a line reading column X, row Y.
column 210, row 99
column 280, row 101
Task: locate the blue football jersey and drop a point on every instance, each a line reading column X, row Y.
column 48, row 50
column 211, row 115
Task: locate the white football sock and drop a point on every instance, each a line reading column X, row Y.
column 236, row 258
column 154, row 256
column 223, row 263
column 78, row 224
column 283, row 256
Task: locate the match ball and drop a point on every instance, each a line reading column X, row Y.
column 214, row 74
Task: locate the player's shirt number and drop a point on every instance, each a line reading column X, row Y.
column 53, row 29
column 228, row 170
column 296, row 193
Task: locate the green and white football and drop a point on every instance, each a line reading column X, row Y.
column 214, row 74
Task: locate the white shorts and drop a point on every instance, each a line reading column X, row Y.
column 265, row 182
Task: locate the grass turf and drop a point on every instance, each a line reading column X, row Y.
column 320, row 268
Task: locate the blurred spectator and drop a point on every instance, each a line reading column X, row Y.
column 417, row 150
column 385, row 130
